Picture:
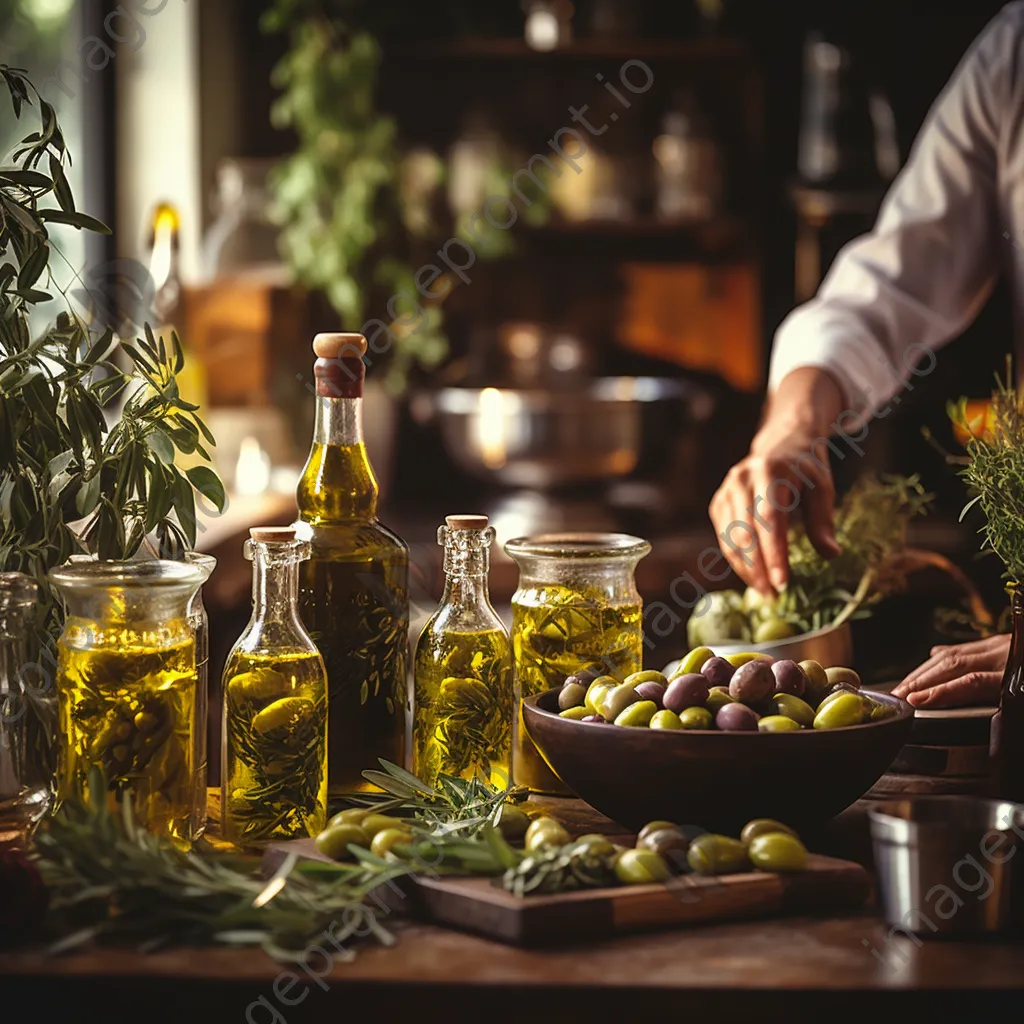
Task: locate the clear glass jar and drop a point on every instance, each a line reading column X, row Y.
column 462, row 722
column 199, row 621
column 274, row 769
column 576, row 607
column 28, row 709
column 126, row 689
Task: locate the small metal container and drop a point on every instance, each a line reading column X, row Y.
column 947, row 865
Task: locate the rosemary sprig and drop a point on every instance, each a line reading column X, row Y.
column 112, row 881
column 993, row 469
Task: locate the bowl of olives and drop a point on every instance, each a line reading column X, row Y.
column 722, row 741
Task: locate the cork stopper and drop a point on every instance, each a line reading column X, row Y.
column 338, row 344
column 339, row 368
column 273, row 534
column 466, row 522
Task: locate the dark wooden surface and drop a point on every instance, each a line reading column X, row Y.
column 793, row 969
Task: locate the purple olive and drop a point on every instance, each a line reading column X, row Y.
column 582, row 678
column 752, row 682
column 594, row 718
column 736, row 718
column 688, row 691
column 717, row 671
column 789, row 678
column 652, row 691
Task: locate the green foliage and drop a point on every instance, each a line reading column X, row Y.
column 993, row 470
column 348, row 227
column 62, row 461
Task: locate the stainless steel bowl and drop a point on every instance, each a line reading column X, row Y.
column 947, row 864
column 830, row 646
column 547, row 438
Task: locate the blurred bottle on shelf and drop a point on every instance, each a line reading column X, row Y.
column 164, row 268
column 548, row 24
column 243, row 238
column 689, row 172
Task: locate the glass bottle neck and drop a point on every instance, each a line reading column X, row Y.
column 466, row 591
column 275, row 589
column 338, row 421
column 466, row 565
column 337, row 484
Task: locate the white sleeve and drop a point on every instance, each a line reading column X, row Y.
column 924, row 271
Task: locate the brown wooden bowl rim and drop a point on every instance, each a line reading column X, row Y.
column 905, row 711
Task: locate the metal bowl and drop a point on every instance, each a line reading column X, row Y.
column 830, row 646
column 546, row 438
column 947, row 864
column 715, row 780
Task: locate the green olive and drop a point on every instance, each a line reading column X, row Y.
column 571, row 695
column 616, row 700
column 666, row 720
column 258, row 685
column 334, row 841
column 640, row 867
column 374, row 823
column 777, row 851
column 647, row 676
column 670, row 844
column 694, row 661
column 350, row 816
column 638, row 715
column 777, row 723
column 717, row 696
column 838, row 674
column 793, row 707
column 384, row 840
column 146, row 721
column 596, row 691
column 593, row 844
column 712, row 854
column 658, row 825
column 513, row 823
column 285, row 713
column 773, row 629
column 843, row 710
column 575, row 714
column 545, row 832
column 817, row 682
column 696, row 718
column 761, row 826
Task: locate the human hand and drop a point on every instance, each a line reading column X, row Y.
column 960, row 675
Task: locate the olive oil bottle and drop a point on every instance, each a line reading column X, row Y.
column 462, row 724
column 354, row 589
column 274, row 773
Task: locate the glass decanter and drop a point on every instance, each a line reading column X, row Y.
column 274, row 745
column 462, row 723
column 28, row 709
column 354, row 588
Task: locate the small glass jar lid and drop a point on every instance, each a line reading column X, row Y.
column 143, row 574
column 579, row 546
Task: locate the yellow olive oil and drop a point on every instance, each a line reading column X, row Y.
column 275, row 764
column 557, row 631
column 127, row 706
column 463, row 719
column 353, row 590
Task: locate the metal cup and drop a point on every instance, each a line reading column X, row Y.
column 947, row 865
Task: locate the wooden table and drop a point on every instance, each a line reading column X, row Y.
column 792, row 969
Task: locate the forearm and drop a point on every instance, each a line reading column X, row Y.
column 805, row 404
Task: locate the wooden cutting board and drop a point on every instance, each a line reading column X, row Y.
column 480, row 905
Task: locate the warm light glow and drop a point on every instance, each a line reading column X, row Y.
column 491, row 428
column 252, row 471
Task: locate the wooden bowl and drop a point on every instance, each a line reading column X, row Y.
column 715, row 780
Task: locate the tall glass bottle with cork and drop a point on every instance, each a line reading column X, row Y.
column 274, row 774
column 463, row 669
column 354, row 589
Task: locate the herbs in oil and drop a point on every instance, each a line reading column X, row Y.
column 463, row 669
column 353, row 591
column 274, row 769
